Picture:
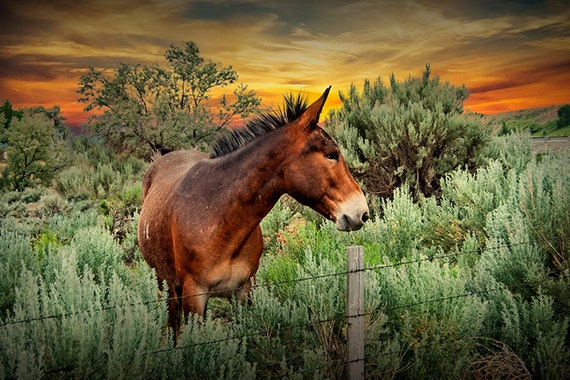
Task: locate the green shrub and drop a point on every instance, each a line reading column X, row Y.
column 79, row 326
column 73, row 182
column 97, row 251
column 101, row 180
column 15, row 255
column 544, row 200
column 410, row 134
column 513, row 151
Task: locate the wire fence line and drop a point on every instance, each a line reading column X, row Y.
column 342, row 317
column 403, row 350
column 483, row 334
column 338, row 318
column 278, row 283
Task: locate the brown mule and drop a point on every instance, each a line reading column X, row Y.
column 199, row 223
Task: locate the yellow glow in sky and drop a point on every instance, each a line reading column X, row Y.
column 510, row 55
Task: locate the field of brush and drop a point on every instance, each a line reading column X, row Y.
column 474, row 284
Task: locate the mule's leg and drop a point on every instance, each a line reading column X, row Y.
column 194, row 297
column 174, row 309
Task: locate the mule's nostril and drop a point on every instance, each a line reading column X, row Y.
column 365, row 217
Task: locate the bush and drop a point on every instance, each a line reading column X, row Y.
column 36, row 152
column 410, row 135
column 16, row 255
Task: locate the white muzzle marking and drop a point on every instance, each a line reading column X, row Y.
column 352, row 213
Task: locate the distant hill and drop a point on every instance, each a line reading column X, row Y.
column 541, row 121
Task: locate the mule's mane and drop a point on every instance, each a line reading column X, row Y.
column 293, row 106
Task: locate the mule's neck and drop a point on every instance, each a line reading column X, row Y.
column 254, row 175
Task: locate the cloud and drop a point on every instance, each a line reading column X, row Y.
column 276, row 46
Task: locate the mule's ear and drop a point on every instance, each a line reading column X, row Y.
column 310, row 117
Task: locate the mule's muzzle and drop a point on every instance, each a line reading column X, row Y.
column 352, row 214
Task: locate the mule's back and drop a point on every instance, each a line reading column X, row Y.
column 167, row 170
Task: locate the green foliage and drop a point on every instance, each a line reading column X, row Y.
column 539, row 122
column 96, row 173
column 545, row 203
column 163, row 108
column 563, row 116
column 15, row 255
column 411, row 134
column 7, row 113
column 513, row 151
column 36, row 151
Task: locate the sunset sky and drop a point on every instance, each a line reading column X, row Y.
column 510, row 54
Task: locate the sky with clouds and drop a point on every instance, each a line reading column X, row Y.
column 509, row 54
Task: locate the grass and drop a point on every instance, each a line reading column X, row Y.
column 540, row 121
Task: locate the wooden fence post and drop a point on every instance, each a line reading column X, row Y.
column 355, row 312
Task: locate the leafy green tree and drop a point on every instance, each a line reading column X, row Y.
column 7, row 113
column 412, row 133
column 150, row 108
column 36, row 149
column 563, row 116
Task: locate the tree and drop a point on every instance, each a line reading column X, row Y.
column 36, row 149
column 563, row 116
column 410, row 134
column 7, row 113
column 149, row 108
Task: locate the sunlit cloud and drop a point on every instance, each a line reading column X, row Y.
column 508, row 56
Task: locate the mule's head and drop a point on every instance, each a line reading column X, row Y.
column 316, row 174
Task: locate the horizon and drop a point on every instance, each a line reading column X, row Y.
column 510, row 56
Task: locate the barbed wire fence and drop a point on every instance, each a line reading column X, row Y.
column 354, row 317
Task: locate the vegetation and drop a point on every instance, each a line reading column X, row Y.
column 410, row 134
column 540, row 122
column 151, row 108
column 486, row 282
column 470, row 283
column 563, row 116
column 36, row 149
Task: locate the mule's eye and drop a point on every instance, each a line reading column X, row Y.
column 332, row 156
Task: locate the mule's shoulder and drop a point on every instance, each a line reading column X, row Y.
column 168, row 168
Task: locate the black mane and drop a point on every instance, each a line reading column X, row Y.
column 293, row 106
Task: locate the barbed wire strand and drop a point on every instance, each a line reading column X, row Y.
column 483, row 333
column 284, row 282
column 343, row 316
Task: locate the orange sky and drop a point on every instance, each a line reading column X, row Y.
column 510, row 54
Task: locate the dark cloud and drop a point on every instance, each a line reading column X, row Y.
column 483, row 9
column 495, row 86
column 204, row 10
column 19, row 20
column 521, row 77
column 32, row 68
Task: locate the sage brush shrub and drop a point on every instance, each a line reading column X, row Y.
column 545, row 203
column 513, row 151
column 75, row 324
column 410, row 134
column 96, row 250
column 15, row 255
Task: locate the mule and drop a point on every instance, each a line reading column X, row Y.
column 199, row 222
